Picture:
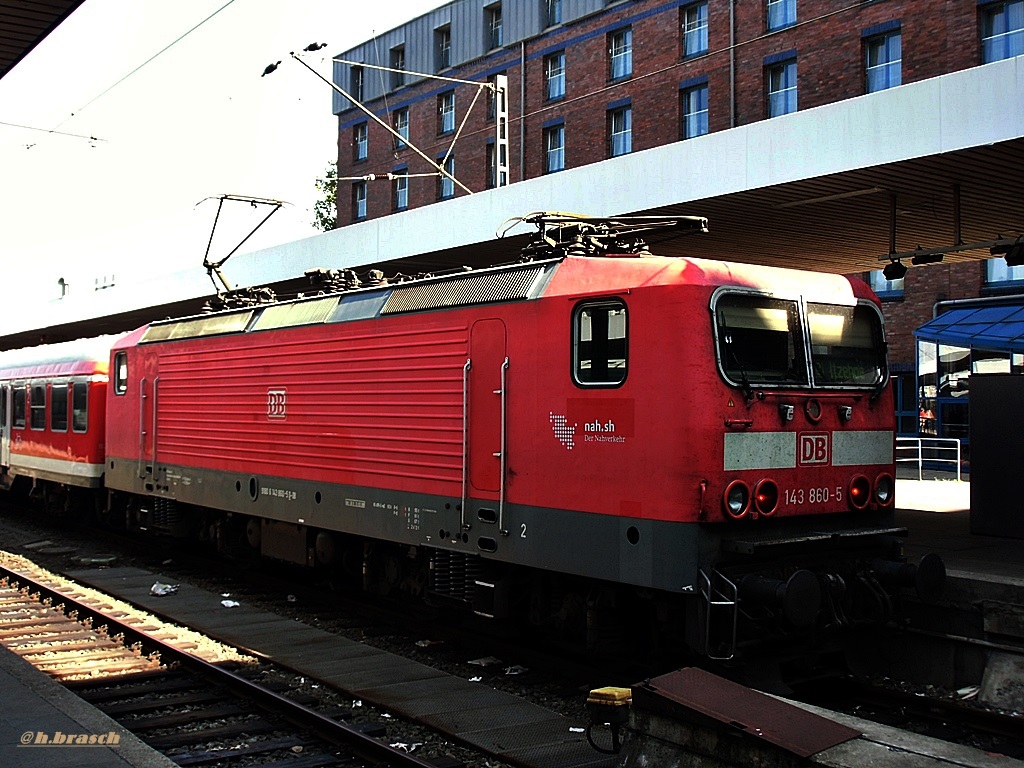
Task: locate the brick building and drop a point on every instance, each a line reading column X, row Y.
column 590, row 80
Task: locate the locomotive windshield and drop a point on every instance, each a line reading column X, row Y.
column 759, row 340
column 762, row 341
column 846, row 345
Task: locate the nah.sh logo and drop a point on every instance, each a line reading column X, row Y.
column 276, row 404
column 813, row 448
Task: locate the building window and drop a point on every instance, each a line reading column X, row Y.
column 446, row 187
column 442, row 48
column 554, row 75
column 400, row 190
column 620, row 52
column 37, row 411
column 359, row 200
column 397, row 63
column 355, row 84
column 599, row 344
column 59, row 407
column 446, row 112
column 1002, row 31
column 620, row 131
column 80, row 407
column 401, row 126
column 782, row 89
column 884, row 61
column 695, row 29
column 695, row 111
column 551, row 11
column 996, row 271
column 781, row 13
column 359, row 141
column 492, row 26
column 881, row 285
column 554, row 148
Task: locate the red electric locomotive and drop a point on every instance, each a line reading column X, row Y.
column 589, row 433
column 52, row 414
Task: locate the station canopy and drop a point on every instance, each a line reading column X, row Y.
column 997, row 328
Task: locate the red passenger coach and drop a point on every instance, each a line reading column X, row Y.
column 52, row 413
column 594, row 431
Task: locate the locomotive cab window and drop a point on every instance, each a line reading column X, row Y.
column 759, row 340
column 18, row 402
column 59, row 407
column 847, row 348
column 120, row 373
column 599, row 344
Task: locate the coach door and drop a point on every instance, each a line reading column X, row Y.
column 485, row 377
column 5, row 425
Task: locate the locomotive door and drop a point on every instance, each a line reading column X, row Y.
column 5, row 425
column 485, row 376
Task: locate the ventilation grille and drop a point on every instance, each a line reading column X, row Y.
column 471, row 289
column 200, row 326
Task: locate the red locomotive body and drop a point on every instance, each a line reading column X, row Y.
column 52, row 413
column 696, row 428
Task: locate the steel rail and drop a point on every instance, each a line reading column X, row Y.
column 272, row 703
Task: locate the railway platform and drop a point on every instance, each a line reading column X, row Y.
column 43, row 725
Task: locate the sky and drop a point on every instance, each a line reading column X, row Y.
column 104, row 166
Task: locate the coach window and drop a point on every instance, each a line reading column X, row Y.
column 59, row 407
column 599, row 344
column 80, row 407
column 120, row 373
column 37, row 420
column 18, row 407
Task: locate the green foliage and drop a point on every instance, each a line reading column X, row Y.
column 325, row 211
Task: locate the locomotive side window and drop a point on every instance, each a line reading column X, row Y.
column 80, row 407
column 599, row 344
column 37, row 418
column 759, row 340
column 59, row 407
column 120, row 373
column 846, row 345
column 18, row 409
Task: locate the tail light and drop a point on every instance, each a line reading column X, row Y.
column 885, row 489
column 736, row 499
column 766, row 497
column 859, row 492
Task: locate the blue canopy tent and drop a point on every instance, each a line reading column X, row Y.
column 997, row 328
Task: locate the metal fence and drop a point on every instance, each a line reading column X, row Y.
column 942, row 451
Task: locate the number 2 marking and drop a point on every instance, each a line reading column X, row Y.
column 522, row 531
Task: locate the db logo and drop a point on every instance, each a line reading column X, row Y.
column 813, row 448
column 275, row 403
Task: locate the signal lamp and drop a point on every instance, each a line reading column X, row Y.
column 766, row 497
column 859, row 492
column 736, row 499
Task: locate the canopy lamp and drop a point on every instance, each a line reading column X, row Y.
column 895, row 270
column 1012, row 252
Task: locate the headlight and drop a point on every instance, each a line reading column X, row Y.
column 885, row 489
column 736, row 499
column 859, row 493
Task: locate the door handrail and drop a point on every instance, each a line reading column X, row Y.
column 502, row 452
column 465, row 444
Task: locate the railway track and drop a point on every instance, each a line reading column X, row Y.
column 178, row 691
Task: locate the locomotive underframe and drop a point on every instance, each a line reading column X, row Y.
column 543, row 569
